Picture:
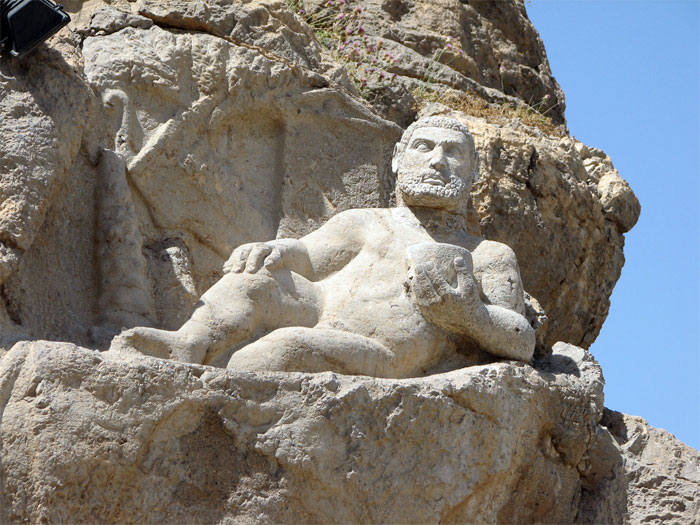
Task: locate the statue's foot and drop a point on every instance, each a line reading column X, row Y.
column 147, row 341
column 158, row 343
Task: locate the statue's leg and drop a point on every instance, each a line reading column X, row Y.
column 232, row 311
column 299, row 349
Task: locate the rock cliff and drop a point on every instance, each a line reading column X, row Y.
column 143, row 143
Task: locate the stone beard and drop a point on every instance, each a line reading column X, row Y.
column 411, row 183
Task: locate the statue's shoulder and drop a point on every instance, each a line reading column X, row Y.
column 362, row 214
column 494, row 251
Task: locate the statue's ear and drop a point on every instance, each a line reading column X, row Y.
column 398, row 151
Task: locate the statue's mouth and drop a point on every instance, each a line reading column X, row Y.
column 434, row 179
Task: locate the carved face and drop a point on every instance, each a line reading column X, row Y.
column 434, row 169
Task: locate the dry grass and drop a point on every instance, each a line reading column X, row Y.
column 472, row 104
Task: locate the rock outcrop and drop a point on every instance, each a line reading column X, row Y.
column 147, row 140
column 487, row 48
column 662, row 474
column 87, row 437
column 549, row 199
column 233, row 127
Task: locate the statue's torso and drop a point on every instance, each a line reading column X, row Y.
column 368, row 295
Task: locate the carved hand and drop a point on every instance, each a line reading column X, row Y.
column 440, row 302
column 254, row 256
column 458, row 306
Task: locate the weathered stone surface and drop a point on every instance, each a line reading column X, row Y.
column 662, row 474
column 388, row 292
column 44, row 111
column 85, row 437
column 245, row 142
column 490, row 48
column 563, row 209
column 250, row 136
column 234, row 138
column 228, row 124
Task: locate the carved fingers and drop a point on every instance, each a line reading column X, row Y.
column 431, row 287
column 238, row 258
column 466, row 285
column 252, row 257
column 256, row 258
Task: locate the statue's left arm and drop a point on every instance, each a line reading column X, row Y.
column 314, row 256
column 486, row 304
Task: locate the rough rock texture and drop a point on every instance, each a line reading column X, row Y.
column 45, row 108
column 148, row 139
column 551, row 200
column 489, row 48
column 232, row 127
column 153, row 440
column 662, row 474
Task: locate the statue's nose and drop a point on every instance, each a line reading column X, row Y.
column 437, row 162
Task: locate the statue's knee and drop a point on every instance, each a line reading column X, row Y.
column 279, row 351
column 246, row 281
column 259, row 357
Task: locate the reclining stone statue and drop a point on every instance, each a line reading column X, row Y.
column 379, row 292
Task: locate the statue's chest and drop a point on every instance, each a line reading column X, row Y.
column 390, row 241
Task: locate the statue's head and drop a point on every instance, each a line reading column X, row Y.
column 435, row 163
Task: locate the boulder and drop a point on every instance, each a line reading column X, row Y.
column 662, row 474
column 563, row 208
column 86, row 437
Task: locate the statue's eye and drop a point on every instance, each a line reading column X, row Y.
column 454, row 152
column 421, row 146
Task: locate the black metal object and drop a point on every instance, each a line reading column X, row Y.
column 24, row 24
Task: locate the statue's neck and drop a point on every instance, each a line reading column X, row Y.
column 439, row 222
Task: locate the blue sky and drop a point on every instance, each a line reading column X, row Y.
column 630, row 71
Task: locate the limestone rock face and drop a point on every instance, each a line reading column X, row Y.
column 489, row 48
column 662, row 474
column 87, row 438
column 45, row 109
column 229, row 130
column 142, row 144
column 227, row 124
column 563, row 209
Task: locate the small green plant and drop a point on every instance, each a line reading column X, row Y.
column 425, row 88
column 472, row 104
